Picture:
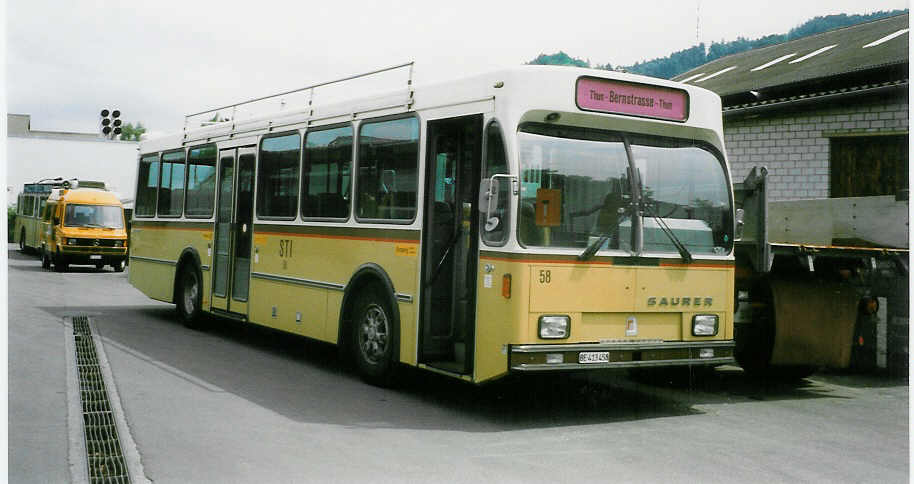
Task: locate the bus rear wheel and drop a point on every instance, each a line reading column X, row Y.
column 376, row 334
column 188, row 295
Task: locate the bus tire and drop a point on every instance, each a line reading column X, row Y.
column 188, row 295
column 119, row 265
column 375, row 337
column 45, row 259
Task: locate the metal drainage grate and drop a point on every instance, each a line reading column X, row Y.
column 103, row 448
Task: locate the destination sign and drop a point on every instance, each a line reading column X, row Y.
column 37, row 188
column 632, row 99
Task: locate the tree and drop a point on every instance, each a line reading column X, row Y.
column 129, row 132
column 559, row 59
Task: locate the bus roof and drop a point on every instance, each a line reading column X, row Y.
column 511, row 92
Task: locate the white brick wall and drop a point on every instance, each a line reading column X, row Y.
column 795, row 146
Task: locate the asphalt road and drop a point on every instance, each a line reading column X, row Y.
column 237, row 404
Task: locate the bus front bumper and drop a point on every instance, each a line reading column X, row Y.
column 592, row 356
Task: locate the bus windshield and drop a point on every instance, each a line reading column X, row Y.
column 576, row 189
column 107, row 216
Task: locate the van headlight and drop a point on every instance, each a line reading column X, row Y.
column 704, row 325
column 554, row 327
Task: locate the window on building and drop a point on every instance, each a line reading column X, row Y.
column 864, row 166
column 277, row 177
column 201, row 181
column 388, row 169
column 147, row 186
column 326, row 173
column 171, row 190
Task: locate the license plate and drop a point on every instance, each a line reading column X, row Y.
column 95, row 257
column 593, row 357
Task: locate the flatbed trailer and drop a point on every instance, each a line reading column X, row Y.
column 821, row 282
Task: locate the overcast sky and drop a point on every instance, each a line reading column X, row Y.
column 159, row 60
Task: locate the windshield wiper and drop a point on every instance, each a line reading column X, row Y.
column 594, row 247
column 686, row 255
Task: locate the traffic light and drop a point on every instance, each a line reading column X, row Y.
column 110, row 123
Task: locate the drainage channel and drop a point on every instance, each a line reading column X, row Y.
column 104, row 456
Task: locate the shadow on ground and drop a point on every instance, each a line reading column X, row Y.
column 305, row 380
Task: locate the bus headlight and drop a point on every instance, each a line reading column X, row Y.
column 71, row 241
column 118, row 243
column 554, row 327
column 704, row 325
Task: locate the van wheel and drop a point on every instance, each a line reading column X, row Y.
column 376, row 338
column 188, row 296
column 60, row 263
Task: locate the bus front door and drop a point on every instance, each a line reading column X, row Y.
column 450, row 244
column 233, row 230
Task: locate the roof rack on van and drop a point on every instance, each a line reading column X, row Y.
column 45, row 185
column 235, row 106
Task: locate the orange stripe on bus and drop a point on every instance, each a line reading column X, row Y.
column 341, row 237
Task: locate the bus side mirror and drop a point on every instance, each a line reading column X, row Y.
column 488, row 201
column 488, row 194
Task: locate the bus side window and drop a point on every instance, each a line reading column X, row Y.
column 496, row 163
column 388, row 169
column 277, row 178
column 201, row 182
column 147, row 186
column 171, row 190
column 325, row 173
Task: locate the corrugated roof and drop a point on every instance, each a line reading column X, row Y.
column 856, row 48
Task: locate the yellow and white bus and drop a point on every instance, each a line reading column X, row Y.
column 530, row 219
column 29, row 207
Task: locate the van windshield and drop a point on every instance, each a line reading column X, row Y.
column 107, row 216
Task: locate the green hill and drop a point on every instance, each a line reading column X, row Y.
column 683, row 60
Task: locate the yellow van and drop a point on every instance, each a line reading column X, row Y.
column 82, row 223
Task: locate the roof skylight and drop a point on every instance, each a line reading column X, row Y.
column 886, row 38
column 814, row 53
column 771, row 63
column 693, row 77
column 716, row 74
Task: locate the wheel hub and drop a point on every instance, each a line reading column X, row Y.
column 373, row 335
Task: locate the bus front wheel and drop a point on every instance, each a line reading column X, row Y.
column 375, row 338
column 188, row 295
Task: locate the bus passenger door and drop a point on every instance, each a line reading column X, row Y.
column 232, row 232
column 450, row 244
